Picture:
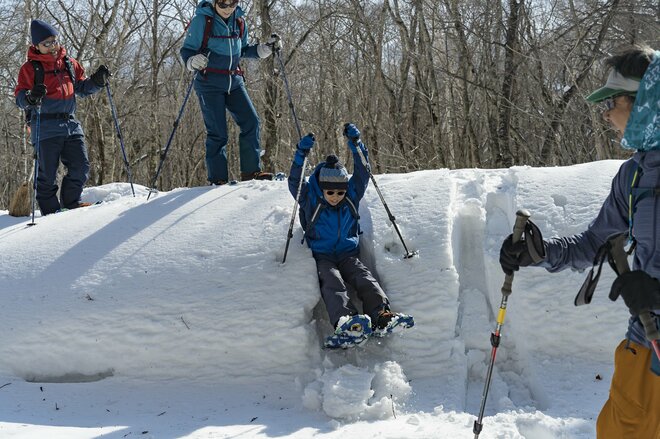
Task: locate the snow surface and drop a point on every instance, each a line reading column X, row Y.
column 174, row 317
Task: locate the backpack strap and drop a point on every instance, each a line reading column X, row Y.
column 38, row 79
column 38, row 72
column 69, row 68
column 635, row 195
column 240, row 21
column 208, row 28
column 313, row 219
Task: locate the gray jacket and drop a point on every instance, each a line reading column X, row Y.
column 578, row 251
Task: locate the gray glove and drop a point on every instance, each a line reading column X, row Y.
column 272, row 44
column 197, row 62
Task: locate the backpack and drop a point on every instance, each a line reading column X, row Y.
column 208, row 28
column 39, row 74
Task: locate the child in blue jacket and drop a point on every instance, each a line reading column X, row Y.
column 220, row 87
column 329, row 206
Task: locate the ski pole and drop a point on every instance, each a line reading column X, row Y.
column 620, row 258
column 521, row 219
column 289, row 234
column 174, row 127
column 408, row 254
column 288, row 93
column 37, row 110
column 121, row 138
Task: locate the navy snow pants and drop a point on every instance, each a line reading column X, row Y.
column 72, row 152
column 333, row 277
column 215, row 101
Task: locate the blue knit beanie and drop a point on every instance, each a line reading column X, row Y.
column 333, row 174
column 40, row 30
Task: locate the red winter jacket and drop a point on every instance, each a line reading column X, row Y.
column 60, row 99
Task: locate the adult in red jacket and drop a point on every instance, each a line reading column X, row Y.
column 60, row 136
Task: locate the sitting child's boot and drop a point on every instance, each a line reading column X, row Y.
column 388, row 322
column 351, row 331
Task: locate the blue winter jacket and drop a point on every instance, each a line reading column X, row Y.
column 643, row 133
column 335, row 234
column 225, row 44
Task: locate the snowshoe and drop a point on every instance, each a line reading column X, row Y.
column 78, row 206
column 351, row 331
column 223, row 182
column 389, row 322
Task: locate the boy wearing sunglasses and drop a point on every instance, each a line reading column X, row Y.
column 216, row 40
column 52, row 99
column 329, row 206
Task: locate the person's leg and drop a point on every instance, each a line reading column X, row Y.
column 333, row 291
column 633, row 407
column 74, row 157
column 49, row 161
column 212, row 104
column 243, row 112
column 368, row 290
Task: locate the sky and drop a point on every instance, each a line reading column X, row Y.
column 175, row 317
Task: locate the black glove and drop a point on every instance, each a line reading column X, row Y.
column 101, row 75
column 640, row 291
column 34, row 96
column 530, row 249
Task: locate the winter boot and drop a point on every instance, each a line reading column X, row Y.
column 258, row 175
column 351, row 331
column 389, row 322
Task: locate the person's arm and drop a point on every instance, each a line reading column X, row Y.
column 23, row 85
column 194, row 37
column 296, row 172
column 578, row 251
column 248, row 50
column 84, row 86
column 360, row 178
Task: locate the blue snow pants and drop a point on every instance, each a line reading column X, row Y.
column 333, row 277
column 72, row 152
column 215, row 100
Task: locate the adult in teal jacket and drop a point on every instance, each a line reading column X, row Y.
column 220, row 87
column 631, row 98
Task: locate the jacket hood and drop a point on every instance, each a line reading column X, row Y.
column 205, row 7
column 45, row 58
column 648, row 160
column 643, row 128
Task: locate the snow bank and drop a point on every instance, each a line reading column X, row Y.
column 189, row 286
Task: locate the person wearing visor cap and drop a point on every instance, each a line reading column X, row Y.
column 52, row 99
column 631, row 105
column 216, row 40
column 329, row 205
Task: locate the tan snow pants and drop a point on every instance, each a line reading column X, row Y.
column 633, row 408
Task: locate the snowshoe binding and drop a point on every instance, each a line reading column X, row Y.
column 389, row 322
column 351, row 331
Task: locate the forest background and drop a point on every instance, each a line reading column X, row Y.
column 431, row 83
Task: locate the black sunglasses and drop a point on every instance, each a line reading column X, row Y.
column 222, row 5
column 340, row 193
column 610, row 103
